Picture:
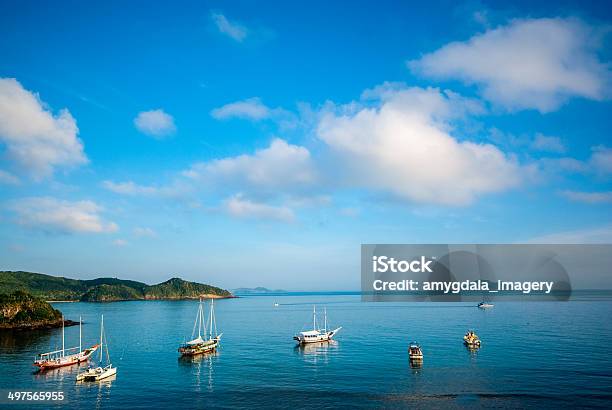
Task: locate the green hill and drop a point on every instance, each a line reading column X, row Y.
column 21, row 310
column 102, row 289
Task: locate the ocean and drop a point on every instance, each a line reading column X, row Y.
column 533, row 354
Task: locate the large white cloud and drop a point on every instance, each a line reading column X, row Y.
column 155, row 123
column 36, row 140
column 529, row 63
column 403, row 145
column 54, row 215
column 277, row 167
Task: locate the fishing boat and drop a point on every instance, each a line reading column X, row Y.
column 65, row 357
column 204, row 343
column 471, row 339
column 316, row 335
column 415, row 352
column 94, row 374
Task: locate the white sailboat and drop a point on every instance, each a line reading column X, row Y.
column 316, row 335
column 204, row 343
column 94, row 374
column 65, row 357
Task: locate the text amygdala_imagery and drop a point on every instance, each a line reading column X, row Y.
column 474, row 272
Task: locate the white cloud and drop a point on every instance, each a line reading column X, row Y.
column 529, row 63
column 548, row 143
column 601, row 235
column 279, row 166
column 53, row 215
column 120, row 242
column 251, row 108
column 36, row 140
column 404, row 146
column 155, row 123
column 589, row 197
column 601, row 160
column 177, row 189
column 145, row 232
column 6, row 178
column 232, row 29
column 240, row 207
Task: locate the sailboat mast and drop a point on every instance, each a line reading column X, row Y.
column 314, row 318
column 101, row 340
column 80, row 334
column 212, row 317
column 325, row 327
column 63, row 336
column 199, row 319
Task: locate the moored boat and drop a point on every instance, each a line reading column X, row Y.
column 203, row 343
column 94, row 374
column 65, row 357
column 471, row 339
column 415, row 352
column 316, row 335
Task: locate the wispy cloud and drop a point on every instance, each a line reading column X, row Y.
column 240, row 207
column 251, row 108
column 589, row 197
column 548, row 144
column 6, row 178
column 144, row 232
column 37, row 141
column 528, row 63
column 120, row 242
column 155, row 123
column 54, row 215
column 601, row 234
column 232, row 29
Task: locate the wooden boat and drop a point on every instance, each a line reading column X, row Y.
column 471, row 339
column 203, row 343
column 94, row 374
column 65, row 357
column 316, row 335
column 415, row 352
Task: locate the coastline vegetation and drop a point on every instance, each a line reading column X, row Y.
column 22, row 310
column 54, row 288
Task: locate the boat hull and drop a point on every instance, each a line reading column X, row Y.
column 199, row 349
column 66, row 360
column 94, row 375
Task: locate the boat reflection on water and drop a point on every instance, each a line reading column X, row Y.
column 59, row 373
column 202, row 366
column 318, row 351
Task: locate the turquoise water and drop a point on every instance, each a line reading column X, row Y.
column 539, row 354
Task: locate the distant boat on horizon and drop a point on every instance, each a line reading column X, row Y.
column 203, row 343
column 316, row 335
column 94, row 374
column 59, row 358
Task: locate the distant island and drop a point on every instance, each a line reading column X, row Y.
column 256, row 291
column 52, row 288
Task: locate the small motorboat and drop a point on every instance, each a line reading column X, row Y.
column 471, row 339
column 415, row 352
column 485, row 305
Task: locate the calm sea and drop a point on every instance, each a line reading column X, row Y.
column 539, row 354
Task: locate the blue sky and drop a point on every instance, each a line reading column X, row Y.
column 248, row 144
